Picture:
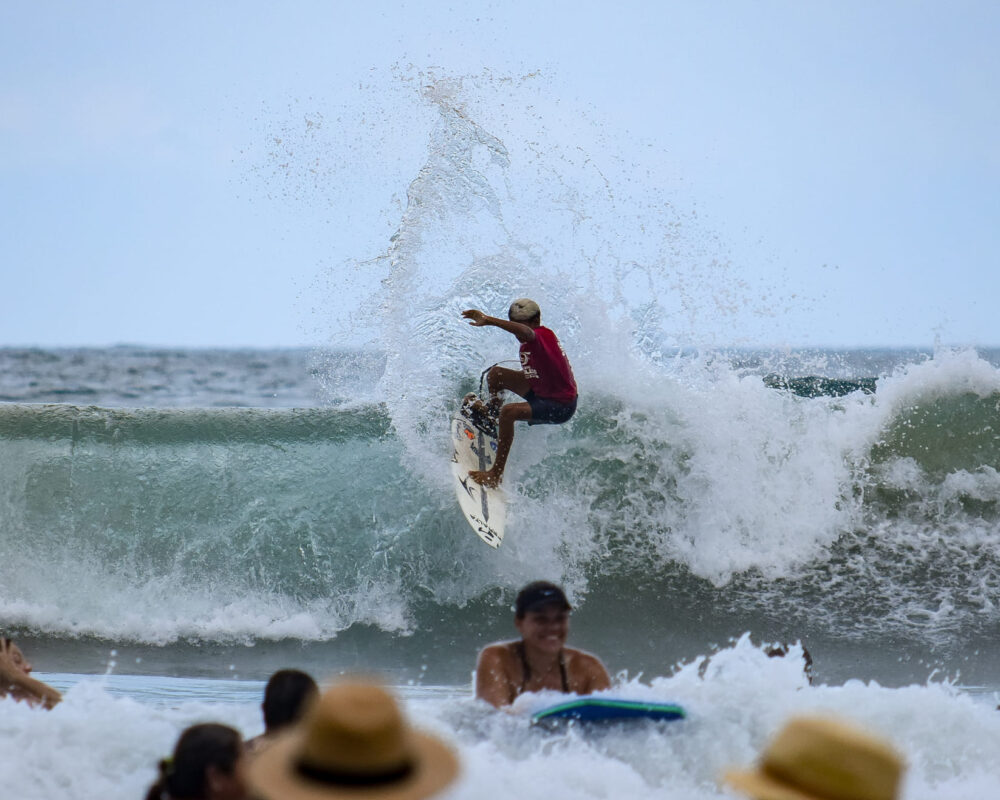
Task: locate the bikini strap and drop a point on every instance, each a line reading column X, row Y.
column 526, row 670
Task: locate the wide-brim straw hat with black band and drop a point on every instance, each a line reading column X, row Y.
column 353, row 743
column 818, row 758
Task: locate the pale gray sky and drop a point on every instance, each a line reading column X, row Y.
column 847, row 153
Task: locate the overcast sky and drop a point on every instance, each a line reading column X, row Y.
column 848, row 151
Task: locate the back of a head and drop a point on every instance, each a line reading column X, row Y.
column 199, row 747
column 524, row 309
column 286, row 696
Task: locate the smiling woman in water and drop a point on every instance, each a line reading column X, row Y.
column 539, row 660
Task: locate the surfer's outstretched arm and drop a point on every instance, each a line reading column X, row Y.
column 524, row 333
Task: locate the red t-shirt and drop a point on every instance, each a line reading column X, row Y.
column 545, row 365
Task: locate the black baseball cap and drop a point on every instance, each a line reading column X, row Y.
column 538, row 594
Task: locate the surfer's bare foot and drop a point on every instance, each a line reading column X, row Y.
column 479, row 415
column 486, row 478
column 474, row 404
column 477, row 406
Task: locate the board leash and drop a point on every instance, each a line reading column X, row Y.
column 483, row 374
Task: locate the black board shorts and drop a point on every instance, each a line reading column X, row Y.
column 549, row 412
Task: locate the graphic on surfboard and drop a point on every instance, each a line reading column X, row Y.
column 474, row 447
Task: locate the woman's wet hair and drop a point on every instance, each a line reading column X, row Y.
column 185, row 774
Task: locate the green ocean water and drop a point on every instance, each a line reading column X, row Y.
column 862, row 520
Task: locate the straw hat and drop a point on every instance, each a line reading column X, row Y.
column 813, row 758
column 353, row 742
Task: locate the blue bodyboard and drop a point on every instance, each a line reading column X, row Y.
column 606, row 709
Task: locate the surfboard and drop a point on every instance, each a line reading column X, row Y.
column 474, row 449
column 606, row 709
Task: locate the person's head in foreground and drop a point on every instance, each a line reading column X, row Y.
column 15, row 655
column 354, row 742
column 286, row 695
column 207, row 764
column 819, row 758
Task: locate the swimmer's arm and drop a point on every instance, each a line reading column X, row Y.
column 34, row 691
column 595, row 675
column 524, row 333
column 492, row 683
column 19, row 684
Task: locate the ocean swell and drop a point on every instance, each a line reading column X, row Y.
column 857, row 515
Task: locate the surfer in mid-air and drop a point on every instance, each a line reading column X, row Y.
column 545, row 381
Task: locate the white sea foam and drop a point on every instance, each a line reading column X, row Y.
column 101, row 603
column 98, row 743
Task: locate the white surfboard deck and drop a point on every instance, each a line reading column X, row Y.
column 485, row 509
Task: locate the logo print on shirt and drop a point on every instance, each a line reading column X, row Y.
column 529, row 372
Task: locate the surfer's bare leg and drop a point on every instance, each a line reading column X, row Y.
column 509, row 414
column 502, row 379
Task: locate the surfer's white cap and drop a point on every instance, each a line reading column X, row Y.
column 522, row 310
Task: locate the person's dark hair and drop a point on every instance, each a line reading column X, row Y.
column 781, row 650
column 184, row 775
column 285, row 697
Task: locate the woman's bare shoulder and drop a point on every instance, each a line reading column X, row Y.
column 581, row 656
column 587, row 669
column 498, row 651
